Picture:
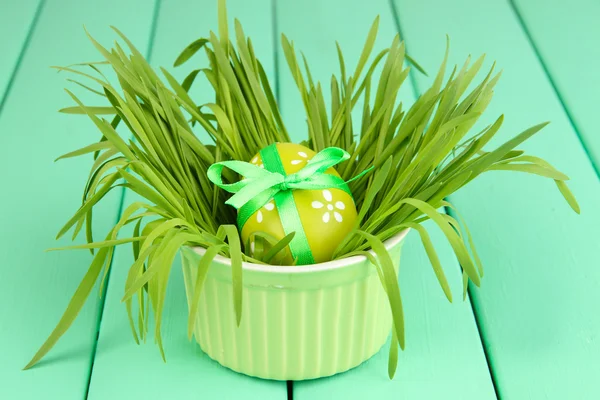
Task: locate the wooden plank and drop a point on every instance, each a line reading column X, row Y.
column 565, row 36
column 537, row 307
column 38, row 196
column 443, row 357
column 121, row 368
column 16, row 22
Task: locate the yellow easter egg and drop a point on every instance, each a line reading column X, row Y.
column 326, row 215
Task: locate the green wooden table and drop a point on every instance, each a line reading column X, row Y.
column 531, row 332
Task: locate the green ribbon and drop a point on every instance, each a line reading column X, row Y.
column 259, row 186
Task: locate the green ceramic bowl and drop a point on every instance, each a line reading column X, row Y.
column 299, row 322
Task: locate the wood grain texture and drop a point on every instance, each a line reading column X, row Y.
column 443, row 357
column 566, row 36
column 38, row 196
column 123, row 369
column 15, row 25
column 537, row 306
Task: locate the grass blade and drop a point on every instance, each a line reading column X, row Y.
column 74, row 307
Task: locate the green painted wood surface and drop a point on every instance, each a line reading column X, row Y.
column 38, row 196
column 443, row 357
column 566, row 36
column 538, row 304
column 123, row 369
column 537, row 308
column 15, row 25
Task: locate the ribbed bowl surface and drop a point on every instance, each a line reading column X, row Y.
column 296, row 324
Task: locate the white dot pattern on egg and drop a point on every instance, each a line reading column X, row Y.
column 303, row 158
column 270, row 206
column 254, row 161
column 330, row 206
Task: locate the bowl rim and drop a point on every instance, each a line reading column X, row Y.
column 303, row 269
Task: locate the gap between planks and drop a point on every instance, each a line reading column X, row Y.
column 157, row 4
column 24, row 47
column 416, row 94
column 552, row 82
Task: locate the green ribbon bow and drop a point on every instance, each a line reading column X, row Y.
column 259, row 186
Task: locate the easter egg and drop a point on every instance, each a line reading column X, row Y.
column 326, row 215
